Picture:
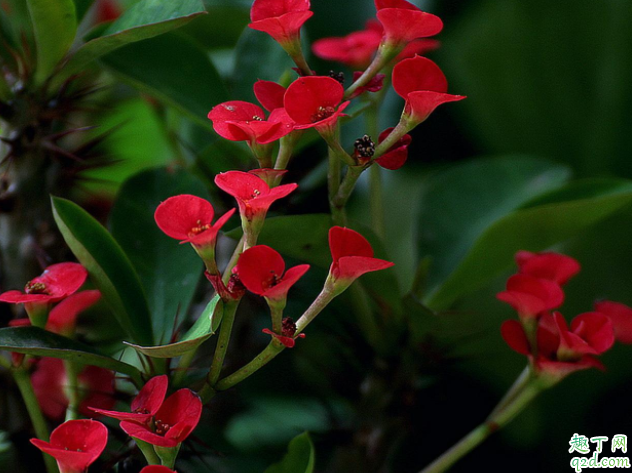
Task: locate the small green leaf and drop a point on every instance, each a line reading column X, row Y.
column 201, row 331
column 146, row 19
column 168, row 271
column 39, row 342
column 109, row 267
column 300, row 457
column 55, row 26
column 174, row 69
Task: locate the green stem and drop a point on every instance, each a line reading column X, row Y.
column 23, row 381
column 72, row 390
column 346, row 188
column 262, row 359
column 225, row 331
column 400, row 130
column 295, row 51
column 276, row 313
column 324, row 298
column 239, row 249
column 384, row 55
column 286, row 148
column 148, row 452
column 376, row 197
column 522, row 395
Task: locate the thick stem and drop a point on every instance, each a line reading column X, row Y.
column 528, row 388
column 223, row 340
column 286, row 148
column 23, row 381
column 72, row 390
column 400, row 130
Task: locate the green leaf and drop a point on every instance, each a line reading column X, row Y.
column 55, row 26
column 146, row 19
column 168, row 271
column 460, row 203
column 201, row 331
column 39, row 342
column 109, row 267
column 300, row 457
column 174, row 69
column 82, row 7
column 534, row 228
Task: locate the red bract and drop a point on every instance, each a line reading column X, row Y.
column 354, row 50
column 374, row 85
column 312, row 101
column 590, row 333
column 156, row 469
column 530, row 296
column 261, row 270
column 252, row 193
column 50, row 383
column 272, row 177
column 56, row 282
column 269, row 94
column 421, row 83
column 548, row 265
column 146, row 403
column 352, row 256
column 189, row 218
column 173, row 422
column 396, row 155
column 403, row 22
column 281, row 19
column 243, row 121
column 75, row 444
column 621, row 317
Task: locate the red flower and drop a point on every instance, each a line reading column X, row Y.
column 189, row 218
column 269, row 94
column 50, row 383
column 281, row 19
column 63, row 317
column 421, row 83
column 75, row 444
column 253, row 195
column 288, row 333
column 56, row 282
column 548, row 265
column 261, row 270
column 272, row 177
column 561, row 351
column 374, row 85
column 156, row 469
column 530, row 296
column 243, row 121
column 173, row 422
column 352, row 256
column 621, row 317
column 146, row 403
column 312, row 101
column 395, row 157
column 403, row 22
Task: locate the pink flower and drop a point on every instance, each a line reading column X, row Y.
column 75, row 444
column 252, row 193
column 262, row 270
column 531, row 296
column 189, row 218
column 281, row 19
column 56, row 282
column 421, row 83
column 548, row 265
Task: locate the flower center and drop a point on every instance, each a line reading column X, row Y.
column 255, row 193
column 35, row 288
column 257, row 118
column 199, row 228
column 140, row 410
column 161, row 427
column 274, row 279
column 288, row 327
column 322, row 113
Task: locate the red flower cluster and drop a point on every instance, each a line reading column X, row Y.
column 554, row 348
column 160, row 422
column 75, row 444
column 281, row 19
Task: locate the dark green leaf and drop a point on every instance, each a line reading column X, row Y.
column 173, row 68
column 300, row 457
column 55, row 26
column 110, row 269
column 39, row 342
column 201, row 331
column 533, row 228
column 169, row 271
column 222, row 26
column 146, row 19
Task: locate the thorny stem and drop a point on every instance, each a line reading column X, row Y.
column 23, row 381
column 523, row 392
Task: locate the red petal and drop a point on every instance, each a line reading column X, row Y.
column 352, row 267
column 403, row 25
column 270, row 176
column 530, row 296
column 416, row 74
column 262, row 9
column 354, row 50
column 75, row 444
column 284, row 28
column 63, row 317
column 152, row 395
column 306, row 96
column 49, row 380
column 418, row 47
column 241, row 185
column 179, row 215
column 143, row 433
column 621, row 316
column 291, row 276
column 513, row 334
column 347, row 242
column 156, row 469
column 289, row 342
column 259, row 268
column 100, row 389
column 234, row 111
column 596, row 329
column 17, row 297
column 396, row 156
column 182, row 411
column 421, row 104
column 380, row 4
column 548, row 265
column 269, row 94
